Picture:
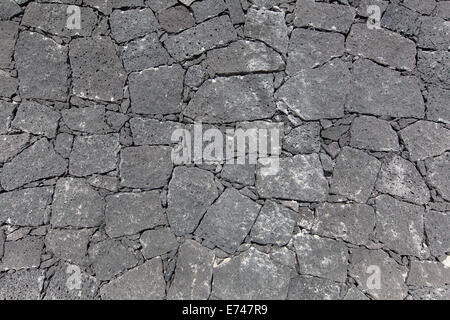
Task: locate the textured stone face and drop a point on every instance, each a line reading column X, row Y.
column 37, row 119
column 429, row 274
column 312, row 288
column 6, row 115
column 22, row 254
column 436, row 227
column 11, row 145
column 433, row 67
column 69, row 245
column 436, row 104
column 434, row 33
column 130, row 24
column 8, row 35
column 206, row 9
column 250, row 275
column 439, row 174
column 152, row 132
column 158, row 242
column 176, row 19
column 373, row 134
column 8, row 85
column 401, row 19
column 303, row 139
column 22, row 285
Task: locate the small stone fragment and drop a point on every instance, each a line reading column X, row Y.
column 158, row 242
column 303, row 139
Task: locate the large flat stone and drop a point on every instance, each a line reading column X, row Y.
column 130, row 24
column 158, row 242
column 37, row 119
column 303, row 139
column 153, row 132
column 373, row 134
column 22, row 254
column 8, row 85
column 69, row 245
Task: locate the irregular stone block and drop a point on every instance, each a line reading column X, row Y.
column 312, row 288
column 176, row 19
column 37, row 119
column 439, row 174
column 235, row 11
column 22, row 254
column 437, row 100
column 239, row 173
column 303, row 139
column 158, row 5
column 431, row 294
column 86, row 119
column 130, row 24
column 428, row 274
column 69, row 245
column 434, row 33
column 24, row 284
column 8, row 85
column 434, row 67
column 422, row 6
column 373, row 134
column 11, row 145
column 206, row 9
column 6, row 115
column 158, row 242
column 8, row 36
column 153, row 132
column 400, row 19
column 437, row 225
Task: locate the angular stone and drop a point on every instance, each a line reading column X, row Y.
column 400, row 19
column 443, row 9
column 9, row 9
column 8, row 35
column 434, row 33
column 331, row 17
column 195, row 75
column 319, row 93
column 206, row 9
column 157, row 90
column 321, row 257
column 158, row 242
column 186, row 2
column 144, row 53
column 400, row 226
column 24, row 284
column 312, row 288
column 153, row 132
column 58, row 288
column 268, row 27
column 384, row 92
column 11, row 145
column 145, row 282
column 437, row 225
column 422, row 6
column 364, row 264
column 355, row 294
column 193, row 273
column 69, row 245
column 8, row 85
column 131, row 213
column 91, row 81
column 63, row 144
column 310, row 48
column 235, row 11
column 27, row 207
column 6, row 115
column 110, row 258
column 158, row 5
column 42, row 67
column 283, row 256
column 86, row 119
column 400, row 177
column 431, row 293
column 54, row 19
column 22, row 254
column 252, row 275
column 130, row 24
column 76, row 204
column 303, row 139
column 353, row 223
column 228, row 221
column 298, row 178
column 109, row 183
column 428, row 274
column 239, row 173
column 274, row 225
column 191, row 192
column 176, row 19
column 434, row 67
column 94, row 154
column 205, row 36
column 439, row 174
column 145, row 167
column 373, row 134
column 232, row 99
column 354, row 175
column 437, row 100
column 425, row 139
column 37, row 119
column 244, row 57
column 37, row 162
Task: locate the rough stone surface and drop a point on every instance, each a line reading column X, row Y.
column 8, row 35
column 312, row 288
column 130, row 24
column 11, row 145
column 152, row 132
column 6, row 115
column 436, row 228
column 69, row 245
column 176, row 19
column 439, row 174
column 206, row 9
column 437, row 104
column 37, row 119
column 22, row 254
column 22, row 285
column 8, row 85
column 434, row 33
column 428, row 274
column 158, row 242
column 373, row 134
column 303, row 139
column 433, row 67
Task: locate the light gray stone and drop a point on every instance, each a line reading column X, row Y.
column 434, row 33
column 176, row 19
column 6, row 115
column 434, row 67
column 428, row 274
column 22, row 254
column 437, row 101
column 8, row 35
column 312, row 288
column 205, row 9
column 439, row 175
column 239, row 173
column 22, row 285
column 437, row 225
column 11, row 145
column 8, row 85
column 153, row 132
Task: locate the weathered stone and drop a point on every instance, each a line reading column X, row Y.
column 193, row 273
column 130, row 24
column 159, row 5
column 205, row 36
column 153, row 132
column 228, row 221
column 232, row 99
column 8, row 35
column 425, row 139
column 428, row 274
column 431, row 293
column 91, row 81
column 443, row 11
column 422, row 6
column 22, row 254
column 383, row 92
column 355, row 294
column 400, row 19
column 312, row 288
column 244, row 57
column 274, row 225
column 55, row 19
column 42, row 67
column 349, row 222
column 437, row 101
column 186, row 2
column 392, row 276
column 206, row 9
column 69, row 245
column 157, row 90
column 437, row 225
column 434, row 67
column 399, row 177
column 250, row 276
column 298, row 178
column 76, row 204
column 94, row 154
column 27, row 207
column 191, row 192
column 319, row 93
column 195, row 75
column 110, row 258
column 176, row 19
column 131, row 213
column 331, row 17
column 6, row 115
column 37, row 119
column 373, row 134
column 400, row 226
column 86, row 119
column 145, row 282
column 310, row 48
column 303, row 139
column 283, row 256
column 354, row 175
column 9, row 9
column 239, row 173
column 145, row 167
column 104, row 182
column 268, row 27
column 434, row 33
column 11, row 145
column 24, row 284
column 37, row 162
column 8, row 85
column 63, row 144
column 158, row 242
column 321, row 257
column 235, row 11
column 439, row 174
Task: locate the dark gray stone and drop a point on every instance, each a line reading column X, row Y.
column 303, row 139
column 22, row 254
column 400, row 19
column 130, row 24
column 11, row 145
column 37, row 119
column 63, row 144
column 428, row 274
column 434, row 33
column 434, row 67
column 205, row 9
column 437, row 100
column 158, row 242
column 176, row 19
column 153, row 132
column 9, row 9
column 6, row 115
column 437, row 225
column 373, row 134
column 24, row 284
column 8, row 35
column 86, row 119
column 8, row 85
column 235, row 11
column 423, row 6
column 239, row 173
column 312, row 288
column 69, row 245
column 439, row 174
